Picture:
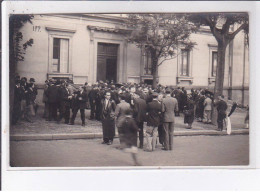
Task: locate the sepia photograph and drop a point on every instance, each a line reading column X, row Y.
column 129, row 89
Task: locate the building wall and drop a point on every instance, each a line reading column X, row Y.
column 83, row 55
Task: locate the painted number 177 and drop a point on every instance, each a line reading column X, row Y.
column 37, row 28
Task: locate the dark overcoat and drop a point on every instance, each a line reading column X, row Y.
column 140, row 110
column 154, row 113
column 108, row 119
column 80, row 100
column 129, row 131
column 189, row 112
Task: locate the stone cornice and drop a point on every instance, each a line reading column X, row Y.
column 51, row 28
column 109, row 30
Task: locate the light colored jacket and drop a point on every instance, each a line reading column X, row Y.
column 169, row 105
column 207, row 104
column 121, row 108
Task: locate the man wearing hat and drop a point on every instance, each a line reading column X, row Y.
column 52, row 94
column 80, row 104
column 169, row 106
column 221, row 108
column 153, row 121
column 65, row 99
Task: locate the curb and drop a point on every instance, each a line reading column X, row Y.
column 66, row 136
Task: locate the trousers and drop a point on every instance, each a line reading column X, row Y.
column 151, row 138
column 141, row 133
column 168, row 135
column 207, row 115
column 221, row 117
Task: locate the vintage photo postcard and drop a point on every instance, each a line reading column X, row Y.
column 127, row 90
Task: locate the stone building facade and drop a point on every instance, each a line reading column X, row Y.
column 91, row 47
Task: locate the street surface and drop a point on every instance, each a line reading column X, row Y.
column 188, row 151
column 40, row 126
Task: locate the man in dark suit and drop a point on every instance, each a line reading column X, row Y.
column 108, row 120
column 140, row 116
column 92, row 101
column 153, row 120
column 169, row 106
column 80, row 104
column 52, row 94
column 65, row 99
column 221, row 108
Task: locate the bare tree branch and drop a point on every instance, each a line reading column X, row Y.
column 242, row 27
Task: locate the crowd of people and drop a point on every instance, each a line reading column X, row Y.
column 123, row 106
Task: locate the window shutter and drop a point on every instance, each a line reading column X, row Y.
column 64, row 56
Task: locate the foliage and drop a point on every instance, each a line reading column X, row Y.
column 161, row 34
column 221, row 24
column 17, row 49
column 224, row 27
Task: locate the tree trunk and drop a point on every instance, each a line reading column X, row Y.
column 12, row 69
column 155, row 72
column 219, row 77
column 220, row 69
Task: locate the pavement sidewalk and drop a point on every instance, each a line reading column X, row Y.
column 46, row 130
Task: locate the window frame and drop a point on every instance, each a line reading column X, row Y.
column 212, row 48
column 188, row 63
column 60, row 33
column 145, row 62
column 212, row 63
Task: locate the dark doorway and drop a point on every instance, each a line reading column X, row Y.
column 107, row 62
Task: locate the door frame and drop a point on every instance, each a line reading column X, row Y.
column 121, row 56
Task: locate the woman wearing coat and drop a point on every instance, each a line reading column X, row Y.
column 108, row 119
column 189, row 112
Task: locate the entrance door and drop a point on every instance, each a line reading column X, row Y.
column 107, row 62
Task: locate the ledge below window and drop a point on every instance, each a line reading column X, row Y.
column 182, row 78
column 212, row 79
column 60, row 76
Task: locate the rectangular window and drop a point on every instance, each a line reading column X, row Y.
column 60, row 60
column 185, row 61
column 147, row 63
column 214, row 63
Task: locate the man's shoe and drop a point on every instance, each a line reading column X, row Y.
column 110, row 143
column 164, row 149
column 83, row 125
column 104, row 142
